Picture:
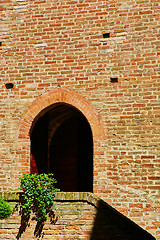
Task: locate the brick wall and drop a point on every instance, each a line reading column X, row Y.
column 79, row 46
column 75, row 220
column 79, row 216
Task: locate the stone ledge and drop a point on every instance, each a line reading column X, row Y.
column 10, row 196
column 59, row 196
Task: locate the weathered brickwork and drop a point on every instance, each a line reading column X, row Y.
column 79, row 216
column 51, row 47
column 75, row 220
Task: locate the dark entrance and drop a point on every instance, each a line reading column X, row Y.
column 61, row 143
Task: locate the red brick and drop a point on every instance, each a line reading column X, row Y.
column 45, row 45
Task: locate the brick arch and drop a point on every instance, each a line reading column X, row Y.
column 65, row 96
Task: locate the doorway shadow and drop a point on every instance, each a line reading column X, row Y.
column 109, row 224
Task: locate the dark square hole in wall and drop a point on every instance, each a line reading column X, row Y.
column 106, row 35
column 114, row 80
column 9, row 85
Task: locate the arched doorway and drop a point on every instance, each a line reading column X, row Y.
column 61, row 142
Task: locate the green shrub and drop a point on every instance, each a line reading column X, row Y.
column 38, row 195
column 5, row 209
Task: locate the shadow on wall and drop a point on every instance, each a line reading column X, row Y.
column 109, row 224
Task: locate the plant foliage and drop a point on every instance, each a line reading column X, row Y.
column 38, row 195
column 5, row 209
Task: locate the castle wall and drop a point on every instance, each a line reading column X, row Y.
column 106, row 53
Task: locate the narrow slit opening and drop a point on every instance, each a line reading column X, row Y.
column 9, row 85
column 114, row 80
column 106, row 35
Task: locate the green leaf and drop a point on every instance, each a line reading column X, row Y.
column 38, row 194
